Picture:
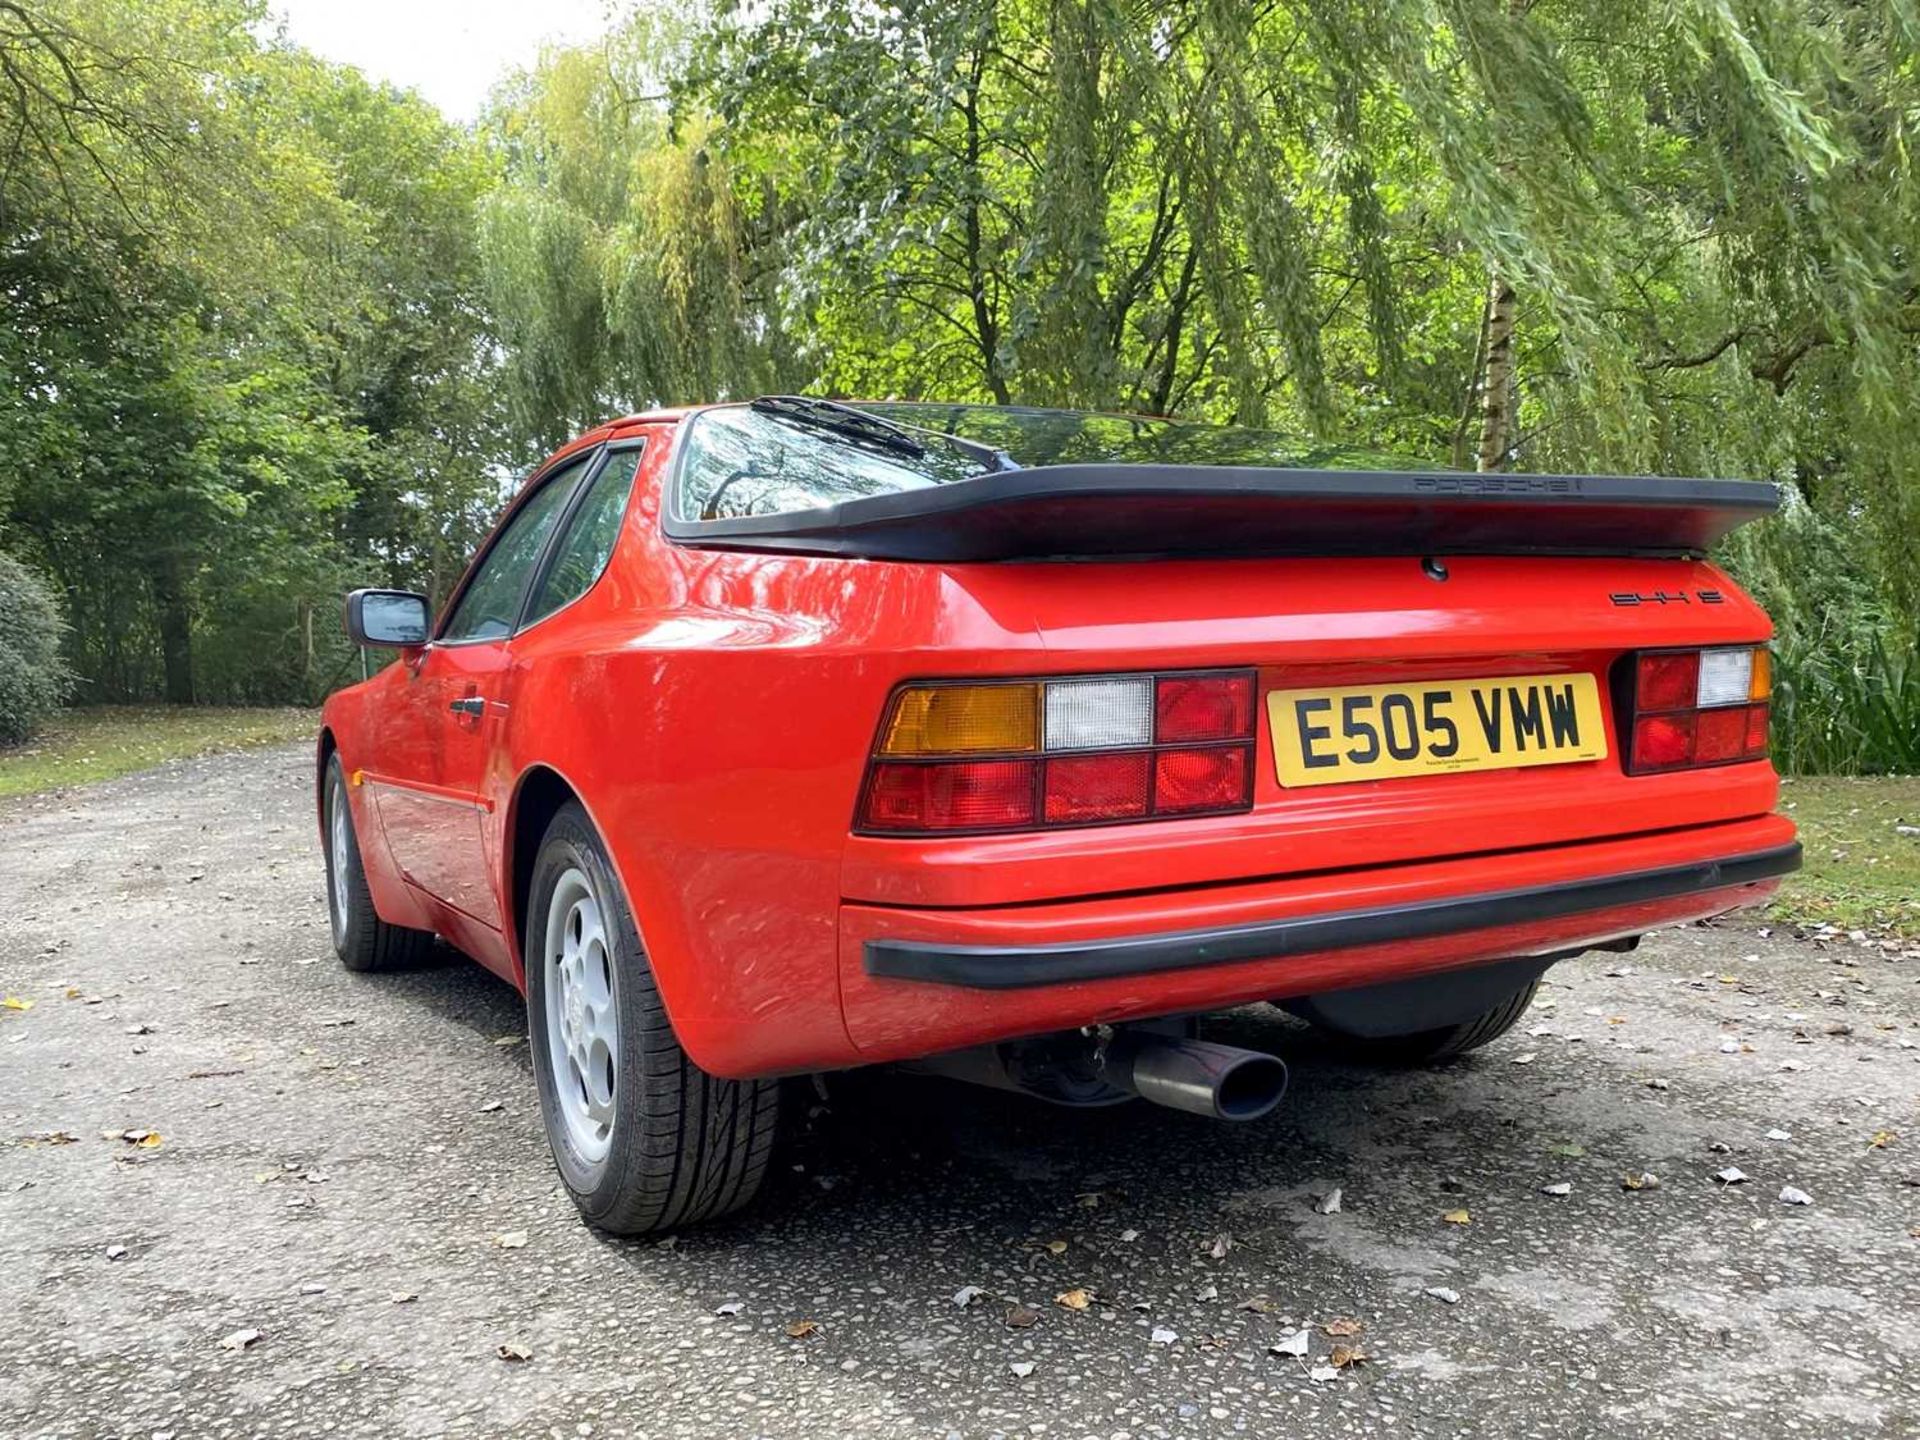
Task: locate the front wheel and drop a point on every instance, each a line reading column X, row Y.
column 644, row 1139
column 361, row 939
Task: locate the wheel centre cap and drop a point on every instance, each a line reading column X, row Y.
column 576, row 1003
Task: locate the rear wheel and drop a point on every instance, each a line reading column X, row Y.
column 361, row 939
column 644, row 1139
column 1428, row 1047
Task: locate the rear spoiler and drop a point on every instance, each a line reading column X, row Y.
column 1111, row 511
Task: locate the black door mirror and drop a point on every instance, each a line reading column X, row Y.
column 391, row 619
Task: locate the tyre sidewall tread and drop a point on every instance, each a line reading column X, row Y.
column 686, row 1146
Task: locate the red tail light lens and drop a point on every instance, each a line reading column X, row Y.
column 1111, row 748
column 1667, row 681
column 1186, row 782
column 960, row 795
column 1190, row 708
column 1698, row 707
column 1082, row 789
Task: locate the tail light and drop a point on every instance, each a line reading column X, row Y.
column 1699, row 707
column 1042, row 754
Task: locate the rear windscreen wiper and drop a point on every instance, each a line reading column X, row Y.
column 857, row 424
column 841, row 420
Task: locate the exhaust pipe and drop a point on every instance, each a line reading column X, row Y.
column 1222, row 1082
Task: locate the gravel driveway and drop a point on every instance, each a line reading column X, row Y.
column 353, row 1168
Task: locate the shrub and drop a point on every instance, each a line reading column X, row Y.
column 33, row 678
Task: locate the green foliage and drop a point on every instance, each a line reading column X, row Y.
column 243, row 358
column 268, row 329
column 33, row 677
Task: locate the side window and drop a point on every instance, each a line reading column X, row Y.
column 587, row 543
column 491, row 603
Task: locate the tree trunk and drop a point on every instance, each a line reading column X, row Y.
column 1497, row 390
column 176, row 629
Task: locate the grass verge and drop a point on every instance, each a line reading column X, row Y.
column 1861, row 872
column 101, row 741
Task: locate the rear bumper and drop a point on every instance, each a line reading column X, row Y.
column 917, row 981
column 1014, row 967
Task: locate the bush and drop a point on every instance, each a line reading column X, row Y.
column 33, row 678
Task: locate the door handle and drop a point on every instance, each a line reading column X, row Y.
column 473, row 705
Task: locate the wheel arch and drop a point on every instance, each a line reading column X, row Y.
column 538, row 796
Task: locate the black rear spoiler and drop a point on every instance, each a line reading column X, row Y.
column 1109, row 511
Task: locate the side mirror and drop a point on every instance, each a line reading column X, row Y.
column 390, row 619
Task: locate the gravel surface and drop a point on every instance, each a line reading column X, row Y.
column 353, row 1168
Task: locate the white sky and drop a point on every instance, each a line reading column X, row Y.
column 451, row 51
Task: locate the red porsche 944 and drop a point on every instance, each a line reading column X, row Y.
column 788, row 736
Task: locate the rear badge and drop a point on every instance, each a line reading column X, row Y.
column 1668, row 597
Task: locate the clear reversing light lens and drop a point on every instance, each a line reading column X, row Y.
column 1099, row 714
column 1726, row 677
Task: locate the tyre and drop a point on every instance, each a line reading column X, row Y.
column 1428, row 1047
column 644, row 1139
column 361, row 939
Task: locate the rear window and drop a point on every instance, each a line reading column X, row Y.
column 746, row 460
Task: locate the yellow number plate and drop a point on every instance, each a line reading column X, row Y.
column 1382, row 732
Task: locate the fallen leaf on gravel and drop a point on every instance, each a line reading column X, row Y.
column 730, row 1309
column 116, row 1252
column 1021, row 1369
column 512, row 1350
column 1345, row 1355
column 1294, row 1344
column 239, row 1339
column 1569, row 1150
column 1560, row 1187
column 801, row 1329
column 1444, row 1295
column 1457, row 1217
column 1882, row 1139
column 1321, row 1373
column 1258, row 1304
column 1329, row 1203
column 1088, row 1199
column 1221, row 1245
column 1791, row 1196
column 511, row 1239
column 1729, row 979
column 1056, row 1247
column 966, row 1295
column 1732, row 1175
column 1022, row 1317
column 14, row 1002
column 1163, row 1337
column 1343, row 1327
column 1640, row 1180
column 52, row 1137
column 144, row 1139
column 1073, row 1299
column 505, row 1040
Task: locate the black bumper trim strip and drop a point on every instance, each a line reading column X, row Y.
column 1017, row 967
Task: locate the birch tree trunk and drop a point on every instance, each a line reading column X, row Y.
column 1496, row 391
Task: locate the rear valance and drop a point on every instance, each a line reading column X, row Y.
column 1113, row 511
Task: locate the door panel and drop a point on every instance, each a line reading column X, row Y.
column 427, row 787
